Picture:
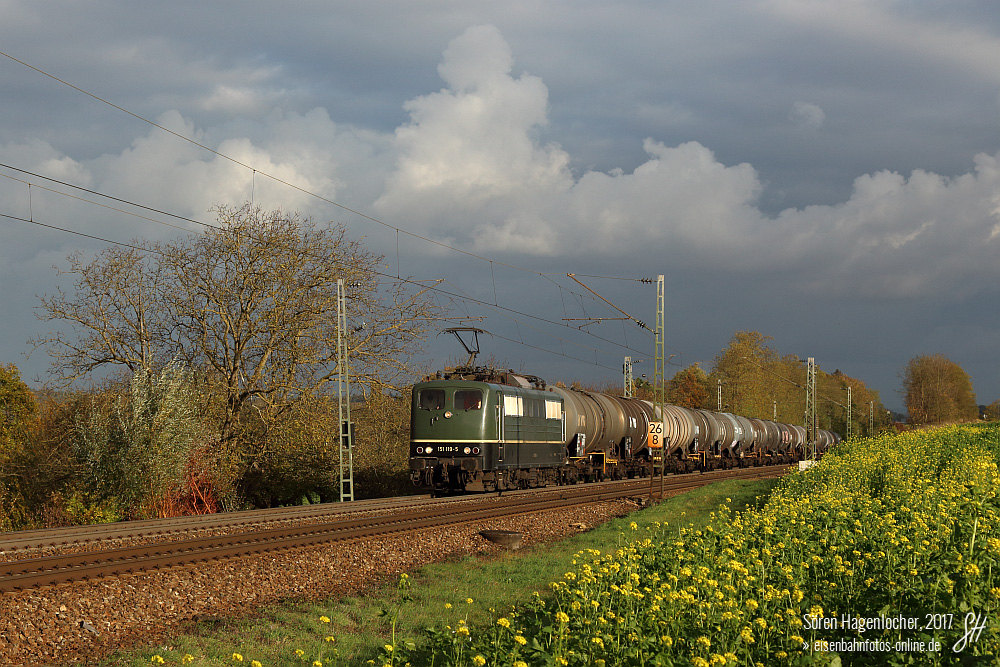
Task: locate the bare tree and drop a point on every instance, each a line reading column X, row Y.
column 110, row 314
column 251, row 303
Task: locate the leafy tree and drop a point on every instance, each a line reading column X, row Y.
column 136, row 445
column 382, row 450
column 18, row 411
column 18, row 422
column 742, row 369
column 992, row 411
column 937, row 390
column 689, row 388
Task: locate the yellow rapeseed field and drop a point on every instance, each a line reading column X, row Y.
column 886, row 553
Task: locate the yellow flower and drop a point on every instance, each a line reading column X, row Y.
column 503, row 622
column 256, row 663
column 462, row 631
column 330, row 638
column 479, row 661
column 156, row 660
column 388, row 648
column 187, row 658
column 520, row 640
column 317, row 663
column 324, row 619
column 299, row 652
column 562, row 617
column 447, row 605
column 468, row 600
column 520, row 663
column 237, row 657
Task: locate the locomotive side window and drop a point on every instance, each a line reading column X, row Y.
column 513, row 406
column 553, row 410
column 431, row 399
column 468, row 399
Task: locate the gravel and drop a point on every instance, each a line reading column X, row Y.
column 81, row 622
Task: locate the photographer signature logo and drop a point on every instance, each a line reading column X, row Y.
column 974, row 626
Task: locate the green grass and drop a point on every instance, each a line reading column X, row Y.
column 362, row 625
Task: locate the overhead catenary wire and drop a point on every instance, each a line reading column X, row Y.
column 579, row 296
column 254, row 172
column 276, row 179
column 70, row 231
column 389, row 277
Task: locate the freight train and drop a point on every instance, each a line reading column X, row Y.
column 482, row 429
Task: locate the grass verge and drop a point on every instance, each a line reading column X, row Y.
column 358, row 628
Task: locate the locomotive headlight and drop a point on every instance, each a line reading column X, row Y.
column 420, row 450
column 447, row 415
column 428, row 450
column 475, row 450
column 467, row 450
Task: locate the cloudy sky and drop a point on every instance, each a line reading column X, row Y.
column 827, row 173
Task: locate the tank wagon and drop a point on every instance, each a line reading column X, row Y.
column 492, row 430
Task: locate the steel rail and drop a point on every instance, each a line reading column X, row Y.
column 156, row 529
column 24, row 574
column 68, row 535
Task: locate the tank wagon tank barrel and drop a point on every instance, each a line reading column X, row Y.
column 487, row 429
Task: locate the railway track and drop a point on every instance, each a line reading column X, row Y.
column 402, row 515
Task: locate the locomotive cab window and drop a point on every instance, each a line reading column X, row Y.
column 468, row 399
column 431, row 399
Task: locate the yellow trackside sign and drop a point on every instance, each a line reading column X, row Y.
column 654, row 439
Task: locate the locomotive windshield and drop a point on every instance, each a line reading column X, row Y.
column 431, row 399
column 468, row 399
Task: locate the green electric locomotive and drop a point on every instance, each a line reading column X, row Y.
column 493, row 432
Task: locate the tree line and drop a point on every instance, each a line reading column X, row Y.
column 752, row 379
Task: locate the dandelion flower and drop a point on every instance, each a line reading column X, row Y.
column 324, row 619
